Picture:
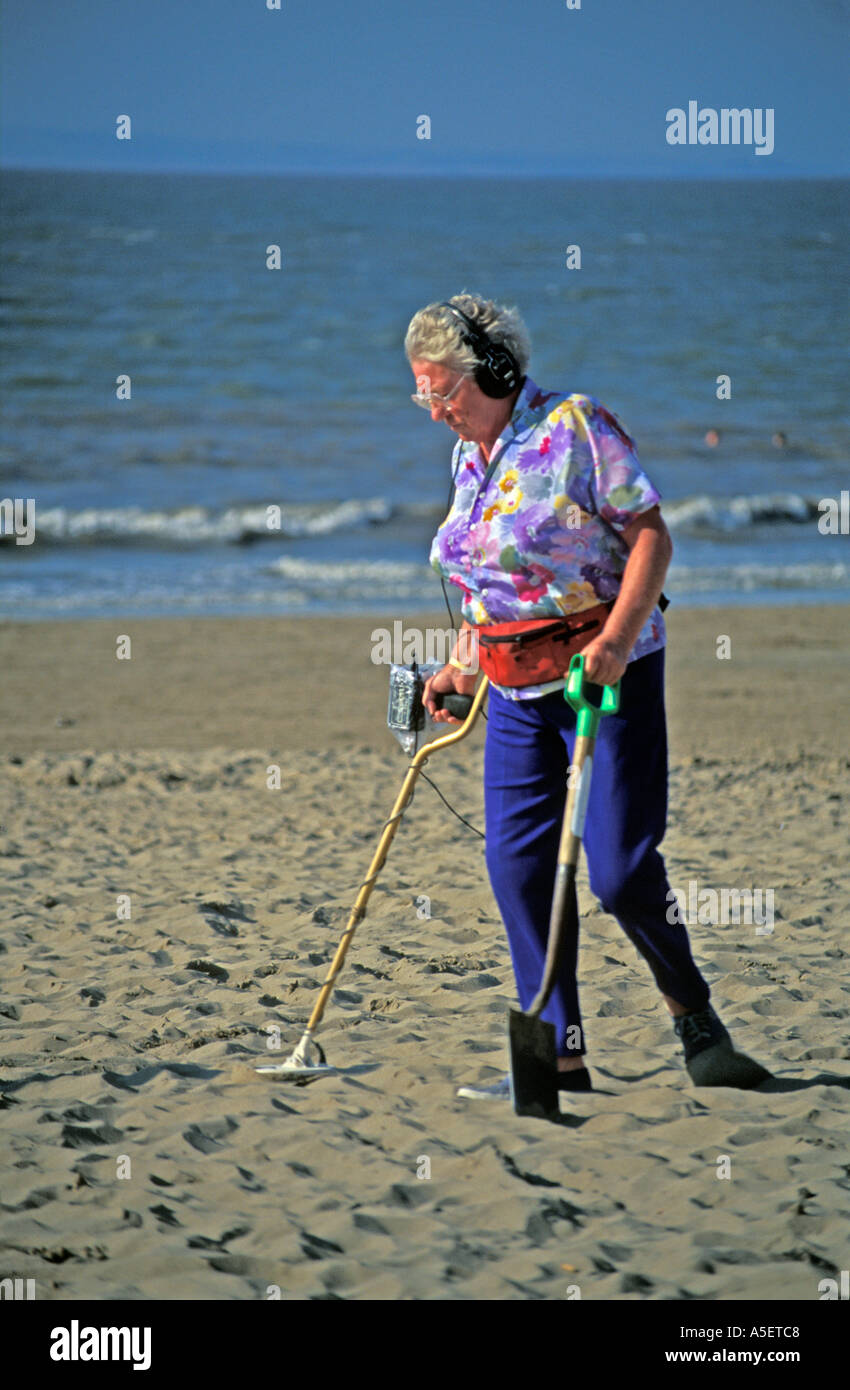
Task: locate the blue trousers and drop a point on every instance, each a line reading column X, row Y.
column 527, row 754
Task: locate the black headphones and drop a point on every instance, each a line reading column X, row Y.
column 497, row 373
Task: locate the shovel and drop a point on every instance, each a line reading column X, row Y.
column 534, row 1066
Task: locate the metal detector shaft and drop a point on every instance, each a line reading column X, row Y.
column 358, row 911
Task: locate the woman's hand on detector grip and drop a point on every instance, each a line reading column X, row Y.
column 444, row 682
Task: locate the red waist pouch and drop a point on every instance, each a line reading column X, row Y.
column 538, row 650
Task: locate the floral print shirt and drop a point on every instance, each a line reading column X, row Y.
column 543, row 537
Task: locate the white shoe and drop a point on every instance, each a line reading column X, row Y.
column 500, row 1091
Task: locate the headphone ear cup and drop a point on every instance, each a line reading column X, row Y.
column 497, row 375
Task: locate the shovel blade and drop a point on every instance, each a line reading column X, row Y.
column 534, row 1066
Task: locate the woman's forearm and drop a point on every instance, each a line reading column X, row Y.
column 643, row 580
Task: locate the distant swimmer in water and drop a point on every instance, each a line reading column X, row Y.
column 779, row 439
column 712, row 438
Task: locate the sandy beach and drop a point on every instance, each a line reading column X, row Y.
column 167, row 917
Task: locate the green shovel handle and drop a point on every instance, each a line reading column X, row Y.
column 589, row 701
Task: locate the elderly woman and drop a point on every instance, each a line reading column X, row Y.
column 554, row 517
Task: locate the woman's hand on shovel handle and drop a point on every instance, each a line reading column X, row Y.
column 605, row 660
column 444, row 682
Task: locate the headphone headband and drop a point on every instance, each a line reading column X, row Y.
column 497, row 373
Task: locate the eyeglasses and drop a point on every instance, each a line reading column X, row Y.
column 428, row 401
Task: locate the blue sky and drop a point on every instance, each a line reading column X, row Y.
column 337, row 85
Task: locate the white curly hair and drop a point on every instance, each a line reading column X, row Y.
column 435, row 334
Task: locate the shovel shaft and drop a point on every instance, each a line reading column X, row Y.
column 564, row 894
column 591, row 703
column 358, row 911
column 572, row 828
column 534, row 1067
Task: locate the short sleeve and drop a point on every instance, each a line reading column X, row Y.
column 618, row 489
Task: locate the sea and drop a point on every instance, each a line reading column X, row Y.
column 266, row 457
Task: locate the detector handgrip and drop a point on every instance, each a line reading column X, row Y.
column 458, row 705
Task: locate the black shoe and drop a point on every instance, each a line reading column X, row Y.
column 710, row 1058
column 700, row 1030
column 576, row 1080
